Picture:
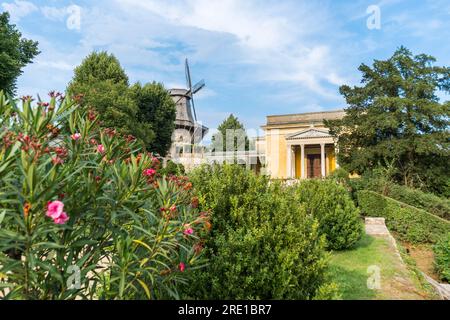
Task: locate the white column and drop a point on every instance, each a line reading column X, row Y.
column 336, row 151
column 289, row 162
column 302, row 161
column 322, row 160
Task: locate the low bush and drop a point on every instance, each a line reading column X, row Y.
column 173, row 168
column 331, row 204
column 262, row 244
column 409, row 223
column 419, row 199
column 414, row 197
column 83, row 214
column 442, row 257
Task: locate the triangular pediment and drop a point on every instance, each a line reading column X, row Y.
column 308, row 134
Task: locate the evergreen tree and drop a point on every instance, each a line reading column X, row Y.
column 230, row 128
column 104, row 86
column 396, row 119
column 15, row 53
column 155, row 106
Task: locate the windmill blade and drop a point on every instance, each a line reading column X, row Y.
column 193, row 107
column 198, row 86
column 188, row 76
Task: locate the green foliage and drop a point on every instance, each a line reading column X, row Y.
column 340, row 175
column 331, row 204
column 126, row 228
column 442, row 257
column 409, row 223
column 15, row 53
column 101, row 83
column 414, row 197
column 173, row 168
column 156, row 106
column 263, row 245
column 230, row 130
column 396, row 119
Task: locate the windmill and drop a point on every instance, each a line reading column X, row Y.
column 192, row 89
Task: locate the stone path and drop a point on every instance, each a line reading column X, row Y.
column 377, row 227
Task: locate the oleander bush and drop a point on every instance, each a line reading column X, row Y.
column 409, row 223
column 442, row 257
column 83, row 214
column 330, row 203
column 262, row 243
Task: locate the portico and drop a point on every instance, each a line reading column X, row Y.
column 310, row 154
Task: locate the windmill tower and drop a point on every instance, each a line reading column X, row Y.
column 188, row 132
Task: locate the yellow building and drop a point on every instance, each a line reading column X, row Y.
column 299, row 146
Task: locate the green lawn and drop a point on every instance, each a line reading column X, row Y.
column 349, row 270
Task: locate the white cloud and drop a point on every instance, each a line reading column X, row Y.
column 272, row 39
column 54, row 13
column 18, row 9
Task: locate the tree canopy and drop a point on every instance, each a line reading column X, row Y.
column 104, row 86
column 15, row 53
column 230, row 130
column 156, row 106
column 396, row 120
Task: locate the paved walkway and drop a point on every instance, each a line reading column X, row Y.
column 377, row 227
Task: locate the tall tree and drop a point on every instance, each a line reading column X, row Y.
column 105, row 87
column 396, row 119
column 231, row 130
column 156, row 106
column 15, row 53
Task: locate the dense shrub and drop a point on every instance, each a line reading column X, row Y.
column 173, row 168
column 414, row 197
column 442, row 257
column 331, row 204
column 262, row 244
column 410, row 224
column 74, row 197
column 419, row 199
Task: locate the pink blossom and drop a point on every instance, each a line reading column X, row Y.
column 61, row 219
column 76, row 136
column 188, row 231
column 181, row 266
column 149, row 172
column 55, row 211
column 100, row 149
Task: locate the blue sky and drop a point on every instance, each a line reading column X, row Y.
column 258, row 57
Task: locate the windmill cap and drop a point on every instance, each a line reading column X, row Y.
column 178, row 92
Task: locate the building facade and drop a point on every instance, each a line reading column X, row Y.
column 188, row 134
column 299, row 146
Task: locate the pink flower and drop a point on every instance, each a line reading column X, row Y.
column 61, row 219
column 76, row 136
column 57, row 160
column 188, row 231
column 181, row 266
column 149, row 172
column 101, row 149
column 55, row 211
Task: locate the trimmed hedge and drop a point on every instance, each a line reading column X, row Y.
column 419, row 199
column 414, row 197
column 410, row 223
column 442, row 257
